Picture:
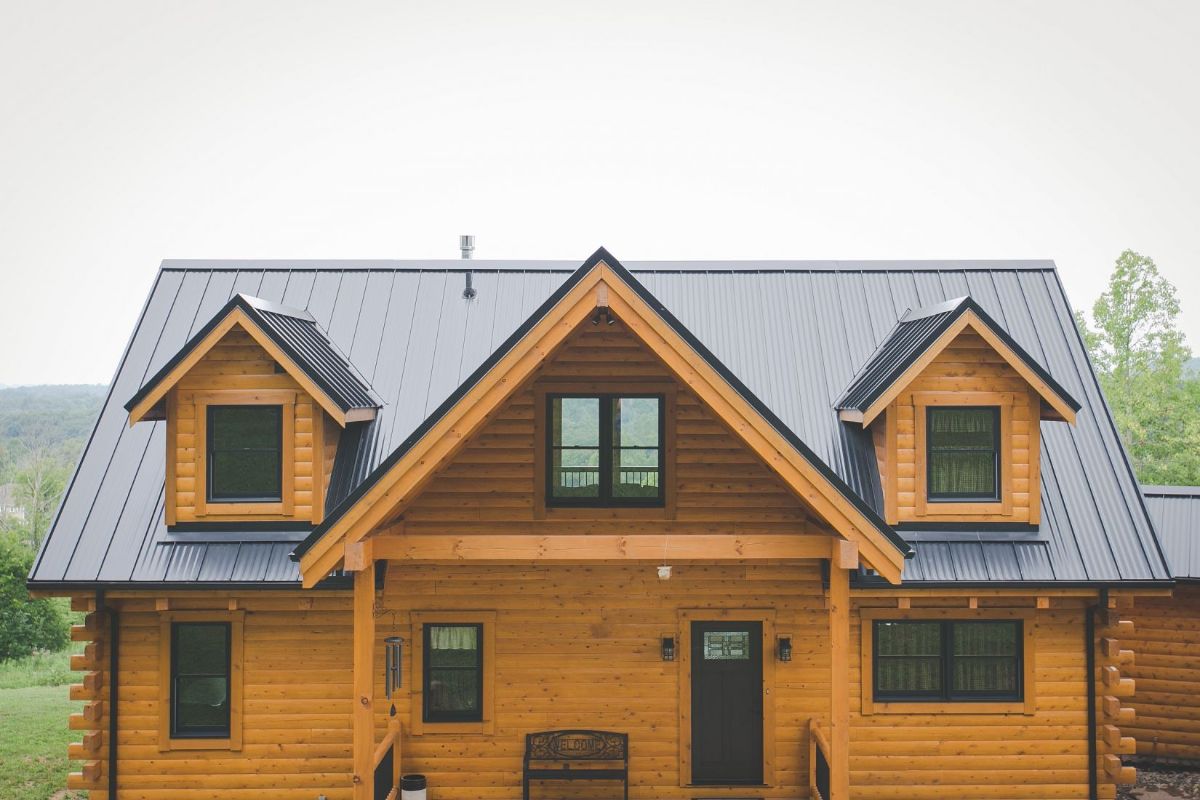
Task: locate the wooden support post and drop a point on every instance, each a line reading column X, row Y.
column 363, row 715
column 839, row 642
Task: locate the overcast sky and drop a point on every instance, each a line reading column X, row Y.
column 136, row 131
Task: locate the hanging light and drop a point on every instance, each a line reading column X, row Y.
column 393, row 648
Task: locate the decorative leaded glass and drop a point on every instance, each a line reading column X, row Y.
column 726, row 645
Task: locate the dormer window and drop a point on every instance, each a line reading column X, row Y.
column 605, row 450
column 245, row 454
column 963, row 458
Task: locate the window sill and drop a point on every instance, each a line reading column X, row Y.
column 949, row 707
column 198, row 744
column 428, row 728
column 604, row 512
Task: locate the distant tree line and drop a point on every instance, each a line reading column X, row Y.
column 42, row 432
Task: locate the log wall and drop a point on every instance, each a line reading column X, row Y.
column 1166, row 644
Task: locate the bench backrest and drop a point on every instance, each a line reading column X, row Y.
column 576, row 745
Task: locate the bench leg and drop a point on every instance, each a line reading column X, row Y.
column 525, row 787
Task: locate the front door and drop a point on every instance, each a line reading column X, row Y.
column 727, row 703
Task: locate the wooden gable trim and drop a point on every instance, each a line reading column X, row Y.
column 404, row 479
column 238, row 317
column 1060, row 406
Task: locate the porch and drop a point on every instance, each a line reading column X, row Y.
column 575, row 645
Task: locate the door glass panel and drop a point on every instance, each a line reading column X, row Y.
column 726, row 645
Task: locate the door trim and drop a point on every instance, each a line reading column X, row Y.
column 683, row 649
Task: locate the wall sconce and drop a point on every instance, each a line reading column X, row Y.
column 668, row 648
column 783, row 648
column 393, row 650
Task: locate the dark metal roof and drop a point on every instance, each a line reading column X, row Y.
column 301, row 337
column 792, row 332
column 1176, row 514
column 915, row 333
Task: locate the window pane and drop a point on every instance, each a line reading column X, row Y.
column 575, row 447
column 453, row 690
column 201, row 648
column 962, row 458
column 986, row 657
column 908, row 658
column 636, row 454
column 202, row 704
column 244, row 452
column 245, row 427
column 453, row 645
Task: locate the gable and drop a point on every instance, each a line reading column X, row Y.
column 918, row 339
column 296, row 344
column 601, row 283
column 716, row 484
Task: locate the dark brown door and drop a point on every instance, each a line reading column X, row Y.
column 727, row 709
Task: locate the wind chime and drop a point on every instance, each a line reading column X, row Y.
column 393, row 652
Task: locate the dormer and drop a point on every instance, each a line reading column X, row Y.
column 954, row 406
column 254, row 406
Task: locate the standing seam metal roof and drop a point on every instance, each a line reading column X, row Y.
column 792, row 332
column 1176, row 514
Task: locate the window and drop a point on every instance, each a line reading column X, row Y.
column 963, row 453
column 453, row 672
column 938, row 660
column 245, row 460
column 200, row 680
column 605, row 450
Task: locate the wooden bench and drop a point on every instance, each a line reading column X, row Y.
column 567, row 748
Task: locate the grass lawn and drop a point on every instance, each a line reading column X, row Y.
column 34, row 706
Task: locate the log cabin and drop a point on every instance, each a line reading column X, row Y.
column 1166, row 638
column 704, row 530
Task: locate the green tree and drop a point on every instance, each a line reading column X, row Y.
column 25, row 625
column 1139, row 354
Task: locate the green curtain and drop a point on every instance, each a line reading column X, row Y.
column 962, row 451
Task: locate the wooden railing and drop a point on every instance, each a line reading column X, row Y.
column 818, row 762
column 387, row 763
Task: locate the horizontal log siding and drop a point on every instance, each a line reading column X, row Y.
column 239, row 363
column 1010, row 756
column 1166, row 646
column 296, row 741
column 578, row 647
column 720, row 485
column 969, row 364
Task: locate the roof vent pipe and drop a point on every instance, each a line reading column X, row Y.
column 466, row 244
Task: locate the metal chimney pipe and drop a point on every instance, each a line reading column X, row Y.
column 466, row 244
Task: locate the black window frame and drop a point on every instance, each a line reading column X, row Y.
column 947, row 694
column 605, row 498
column 993, row 496
column 226, row 731
column 210, row 461
column 429, row 715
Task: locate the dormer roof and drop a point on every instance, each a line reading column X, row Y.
column 1176, row 514
column 919, row 336
column 293, row 338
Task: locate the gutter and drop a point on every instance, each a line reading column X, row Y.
column 1089, row 645
column 113, row 687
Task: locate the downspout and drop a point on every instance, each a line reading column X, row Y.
column 1090, row 660
column 113, row 661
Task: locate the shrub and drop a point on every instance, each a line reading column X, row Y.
column 25, row 625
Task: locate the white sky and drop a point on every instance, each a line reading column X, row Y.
column 136, row 131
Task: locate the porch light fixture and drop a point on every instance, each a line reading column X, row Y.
column 393, row 649
column 783, row 648
column 668, row 648
column 664, row 572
